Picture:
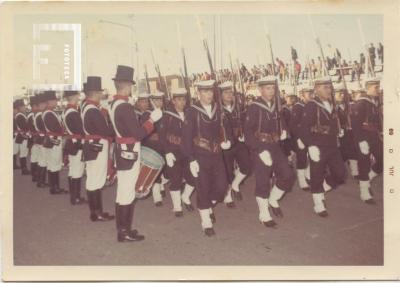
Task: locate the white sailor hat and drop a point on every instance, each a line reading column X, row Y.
column 205, row 84
column 157, row 94
column 374, row 80
column 179, row 92
column 306, row 88
column 339, row 87
column 268, row 80
column 226, row 85
column 143, row 95
column 358, row 89
column 323, row 80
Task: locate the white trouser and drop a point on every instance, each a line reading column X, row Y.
column 15, row 147
column 42, row 157
column 35, row 150
column 23, row 149
column 76, row 165
column 127, row 181
column 96, row 170
column 54, row 158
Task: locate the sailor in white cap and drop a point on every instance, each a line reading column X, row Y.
column 263, row 133
column 367, row 129
column 320, row 133
column 142, row 104
column 238, row 153
column 181, row 180
column 205, row 135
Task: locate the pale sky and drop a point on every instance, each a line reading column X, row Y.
column 108, row 45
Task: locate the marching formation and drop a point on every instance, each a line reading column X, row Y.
column 210, row 145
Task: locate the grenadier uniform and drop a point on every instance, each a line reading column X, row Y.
column 238, row 153
column 129, row 134
column 15, row 146
column 153, row 141
column 367, row 129
column 177, row 169
column 262, row 136
column 73, row 148
column 53, row 144
column 95, row 151
column 203, row 145
column 41, row 134
column 320, row 134
column 34, row 147
column 22, row 136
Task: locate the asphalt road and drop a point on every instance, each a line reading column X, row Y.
column 49, row 231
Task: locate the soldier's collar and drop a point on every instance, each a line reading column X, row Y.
column 201, row 109
column 74, row 106
column 264, row 105
column 229, row 108
column 173, row 114
column 90, row 101
column 123, row 97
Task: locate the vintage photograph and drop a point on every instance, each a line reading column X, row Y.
column 197, row 139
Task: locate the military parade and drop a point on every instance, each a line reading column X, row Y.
column 194, row 145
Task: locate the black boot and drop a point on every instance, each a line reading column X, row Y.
column 50, row 177
column 15, row 165
column 34, row 169
column 46, row 183
column 71, row 190
column 76, row 183
column 117, row 217
column 92, row 205
column 101, row 216
column 57, row 189
column 24, row 169
column 39, row 180
column 125, row 234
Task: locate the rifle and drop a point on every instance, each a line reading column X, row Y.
column 238, row 99
column 217, row 91
column 146, row 75
column 185, row 76
column 162, row 82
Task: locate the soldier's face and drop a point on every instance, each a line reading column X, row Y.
column 180, row 103
column 42, row 106
column 206, row 96
column 373, row 89
column 22, row 109
column 324, row 91
column 307, row 96
column 227, row 96
column 158, row 102
column 268, row 92
column 143, row 104
column 339, row 96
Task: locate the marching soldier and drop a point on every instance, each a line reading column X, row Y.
column 306, row 94
column 177, row 163
column 205, row 135
column 73, row 145
column 33, row 100
column 287, row 144
column 263, row 132
column 320, row 134
column 95, row 149
column 53, row 142
column 142, row 104
column 22, row 136
column 153, row 141
column 367, row 129
column 129, row 133
column 238, row 153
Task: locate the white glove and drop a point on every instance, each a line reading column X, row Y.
column 265, row 156
column 284, row 135
column 341, row 133
column 364, row 147
column 170, row 158
column 225, row 145
column 194, row 168
column 300, row 144
column 314, row 153
column 156, row 115
column 241, row 138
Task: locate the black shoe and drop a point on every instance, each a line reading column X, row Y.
column 323, row 214
column 34, row 169
column 124, row 220
column 15, row 166
column 213, row 219
column 129, row 236
column 237, row 195
column 209, row 232
column 101, row 216
column 188, row 207
column 178, row 213
column 277, row 211
column 269, row 224
column 158, row 203
column 370, row 201
column 41, row 176
column 57, row 183
column 24, row 169
column 230, row 204
column 306, row 189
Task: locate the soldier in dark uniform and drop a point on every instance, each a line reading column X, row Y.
column 367, row 130
column 263, row 131
column 41, row 133
column 73, row 145
column 205, row 135
column 346, row 139
column 320, row 134
column 142, row 104
column 22, row 136
column 53, row 142
column 98, row 136
column 287, row 144
column 129, row 134
column 238, row 153
column 302, row 168
column 34, row 147
column 181, row 180
column 153, row 141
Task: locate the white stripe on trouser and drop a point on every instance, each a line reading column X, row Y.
column 76, row 166
column 54, row 158
column 15, row 147
column 23, row 149
column 126, row 184
column 96, row 170
column 35, row 153
column 42, row 156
